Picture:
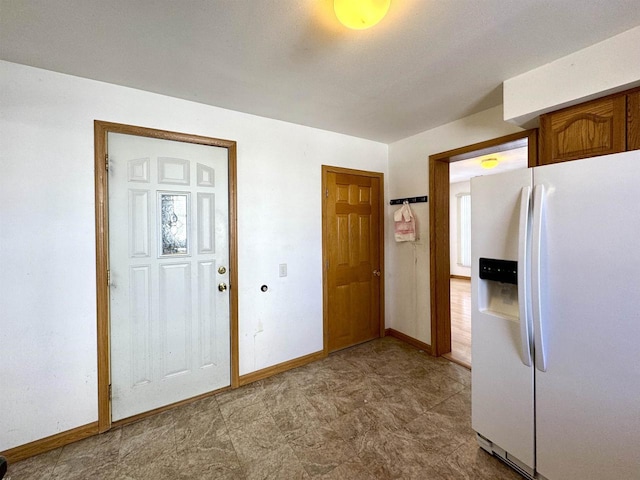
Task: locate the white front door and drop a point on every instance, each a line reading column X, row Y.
column 168, row 255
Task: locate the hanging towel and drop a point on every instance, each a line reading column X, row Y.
column 405, row 224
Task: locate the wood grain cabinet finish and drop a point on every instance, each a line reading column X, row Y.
column 633, row 121
column 586, row 130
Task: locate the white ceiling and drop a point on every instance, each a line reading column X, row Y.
column 427, row 63
column 464, row 170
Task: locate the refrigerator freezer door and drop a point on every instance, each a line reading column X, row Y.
column 502, row 393
column 588, row 400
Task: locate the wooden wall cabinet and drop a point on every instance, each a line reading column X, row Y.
column 633, row 121
column 599, row 127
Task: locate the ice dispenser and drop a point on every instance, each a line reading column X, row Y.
column 504, row 271
column 499, row 287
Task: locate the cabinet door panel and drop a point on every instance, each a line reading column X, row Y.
column 586, row 130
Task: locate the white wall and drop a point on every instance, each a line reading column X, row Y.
column 454, row 190
column 47, row 280
column 408, row 298
column 609, row 66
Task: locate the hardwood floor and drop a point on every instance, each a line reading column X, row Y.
column 460, row 322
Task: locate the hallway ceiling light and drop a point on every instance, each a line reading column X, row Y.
column 489, row 163
column 360, row 14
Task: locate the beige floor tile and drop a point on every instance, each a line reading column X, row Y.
column 254, row 440
column 161, row 420
column 237, row 414
column 246, row 394
column 322, row 450
column 353, row 469
column 374, row 411
column 296, row 417
column 357, row 426
column 452, row 370
column 396, row 410
column 218, row 462
column 275, row 465
column 202, row 434
column 147, row 449
column 204, row 429
column 206, row 406
column 93, row 457
column 394, row 453
column 158, row 467
column 39, row 467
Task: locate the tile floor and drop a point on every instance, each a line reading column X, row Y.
column 375, row 411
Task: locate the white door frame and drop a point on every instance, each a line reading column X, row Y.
column 101, row 129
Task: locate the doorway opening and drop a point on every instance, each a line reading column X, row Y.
column 449, row 295
column 157, row 265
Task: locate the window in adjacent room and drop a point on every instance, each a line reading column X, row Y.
column 464, row 229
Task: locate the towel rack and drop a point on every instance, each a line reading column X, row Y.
column 400, row 201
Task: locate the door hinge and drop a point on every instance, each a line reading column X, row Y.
column 106, row 161
column 326, row 265
column 108, row 278
column 327, row 193
column 109, row 392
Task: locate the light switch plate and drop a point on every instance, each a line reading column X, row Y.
column 283, row 269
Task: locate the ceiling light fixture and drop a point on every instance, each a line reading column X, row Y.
column 360, row 14
column 489, row 163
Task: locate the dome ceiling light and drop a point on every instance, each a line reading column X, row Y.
column 360, row 14
column 489, row 163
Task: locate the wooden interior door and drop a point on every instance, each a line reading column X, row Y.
column 353, row 239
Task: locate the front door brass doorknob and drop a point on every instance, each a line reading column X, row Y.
column 377, row 273
column 222, row 287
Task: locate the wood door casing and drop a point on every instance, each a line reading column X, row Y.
column 101, row 129
column 353, row 257
column 439, row 252
column 440, row 256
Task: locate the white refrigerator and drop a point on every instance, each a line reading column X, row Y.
column 556, row 318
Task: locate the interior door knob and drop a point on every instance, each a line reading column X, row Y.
column 377, row 273
column 222, row 287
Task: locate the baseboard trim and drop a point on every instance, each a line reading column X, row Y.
column 460, row 277
column 410, row 340
column 280, row 367
column 64, row 438
column 453, row 359
column 50, row 443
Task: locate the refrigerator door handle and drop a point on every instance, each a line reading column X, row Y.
column 536, row 247
column 523, row 277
